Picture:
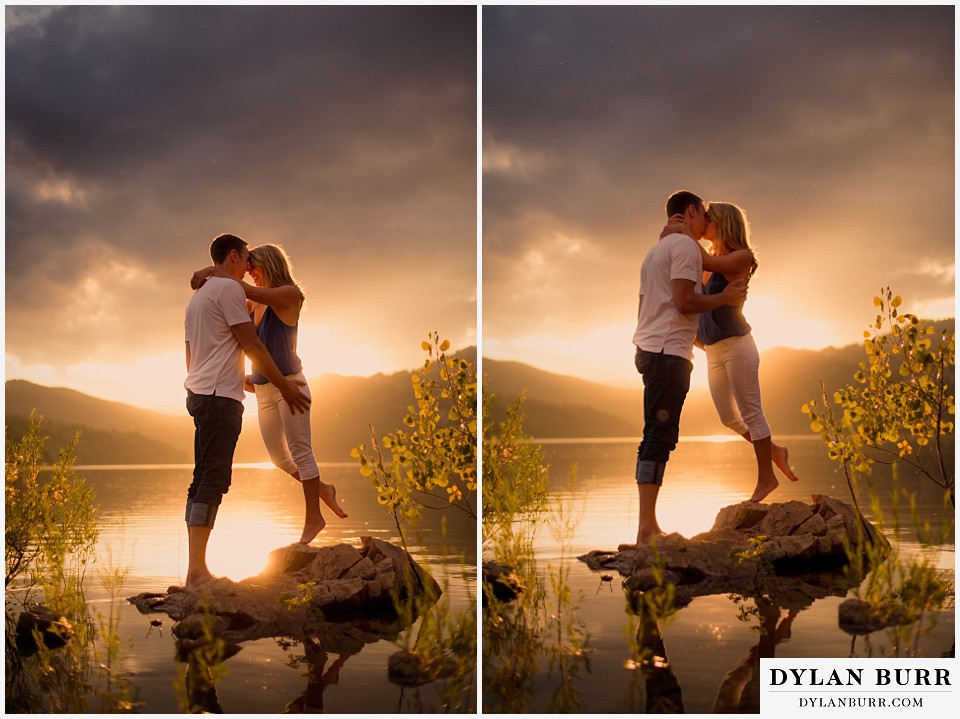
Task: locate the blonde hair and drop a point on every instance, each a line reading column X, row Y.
column 273, row 262
column 733, row 229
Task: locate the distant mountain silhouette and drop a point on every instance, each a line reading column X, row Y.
column 111, row 432
column 562, row 406
column 344, row 408
column 116, row 433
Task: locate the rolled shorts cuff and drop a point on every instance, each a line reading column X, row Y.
column 200, row 514
column 650, row 472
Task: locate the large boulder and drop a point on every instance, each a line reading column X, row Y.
column 345, row 594
column 789, row 549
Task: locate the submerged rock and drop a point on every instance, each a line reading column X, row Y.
column 791, row 549
column 503, row 581
column 858, row 617
column 342, row 595
column 407, row 669
column 52, row 628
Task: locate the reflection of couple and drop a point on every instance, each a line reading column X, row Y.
column 687, row 297
column 225, row 319
column 739, row 690
column 201, row 688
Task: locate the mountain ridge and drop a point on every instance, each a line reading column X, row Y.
column 347, row 408
column 344, row 410
column 788, row 378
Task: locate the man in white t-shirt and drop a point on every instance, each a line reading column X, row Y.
column 667, row 319
column 218, row 333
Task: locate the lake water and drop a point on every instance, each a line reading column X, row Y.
column 142, row 526
column 589, row 664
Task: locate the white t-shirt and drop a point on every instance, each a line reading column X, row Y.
column 216, row 360
column 660, row 327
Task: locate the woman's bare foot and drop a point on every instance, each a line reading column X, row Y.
column 328, row 493
column 781, row 458
column 765, row 485
column 196, row 581
column 311, row 528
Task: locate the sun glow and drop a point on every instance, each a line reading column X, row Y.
column 323, row 350
column 156, row 381
column 609, row 516
column 774, row 326
column 242, row 541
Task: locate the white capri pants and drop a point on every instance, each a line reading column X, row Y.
column 286, row 435
column 733, row 369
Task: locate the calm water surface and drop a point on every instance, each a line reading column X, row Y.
column 143, row 529
column 705, row 640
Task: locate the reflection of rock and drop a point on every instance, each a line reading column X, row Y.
column 340, row 594
column 860, row 617
column 795, row 551
column 502, row 580
column 213, row 651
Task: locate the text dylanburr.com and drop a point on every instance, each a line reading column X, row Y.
column 854, row 687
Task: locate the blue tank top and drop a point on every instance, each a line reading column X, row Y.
column 280, row 339
column 723, row 322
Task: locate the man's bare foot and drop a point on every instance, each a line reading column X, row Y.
column 764, row 487
column 328, row 493
column 196, row 581
column 644, row 538
column 781, row 458
column 311, row 529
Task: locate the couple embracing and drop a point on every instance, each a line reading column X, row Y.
column 691, row 297
column 226, row 319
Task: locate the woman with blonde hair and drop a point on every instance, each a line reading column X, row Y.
column 733, row 362
column 274, row 302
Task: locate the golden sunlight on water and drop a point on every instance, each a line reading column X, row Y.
column 242, row 540
column 607, row 517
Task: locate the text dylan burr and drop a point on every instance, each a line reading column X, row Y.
column 914, row 677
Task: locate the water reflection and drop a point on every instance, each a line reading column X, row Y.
column 142, row 520
column 739, row 691
column 527, row 631
column 206, row 656
column 662, row 688
column 705, row 657
column 319, row 677
column 202, row 658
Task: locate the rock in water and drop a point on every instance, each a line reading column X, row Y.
column 502, row 580
column 407, row 669
column 54, row 630
column 751, row 546
column 340, row 592
column 859, row 617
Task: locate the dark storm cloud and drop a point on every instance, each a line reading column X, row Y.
column 136, row 134
column 833, row 126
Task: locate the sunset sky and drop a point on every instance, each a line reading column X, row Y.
column 348, row 134
column 832, row 126
column 135, row 135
